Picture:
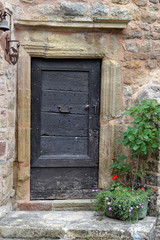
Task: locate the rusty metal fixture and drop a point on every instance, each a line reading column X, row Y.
column 4, row 23
column 12, row 50
column 65, row 111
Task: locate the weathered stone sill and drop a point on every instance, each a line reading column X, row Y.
column 71, row 225
column 56, row 205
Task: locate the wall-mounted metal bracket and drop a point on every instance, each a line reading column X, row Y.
column 12, row 51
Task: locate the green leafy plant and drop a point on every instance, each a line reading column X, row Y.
column 141, row 138
column 127, row 198
column 123, row 203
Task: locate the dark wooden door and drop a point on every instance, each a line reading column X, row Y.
column 64, row 128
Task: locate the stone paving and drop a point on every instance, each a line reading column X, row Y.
column 158, row 228
column 68, row 225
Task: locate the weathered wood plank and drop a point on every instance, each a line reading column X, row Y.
column 64, row 145
column 52, row 99
column 64, row 125
column 62, row 182
column 65, row 80
column 65, row 161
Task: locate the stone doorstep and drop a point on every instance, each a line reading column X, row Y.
column 56, row 205
column 69, row 225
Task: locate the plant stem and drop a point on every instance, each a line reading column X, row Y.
column 137, row 166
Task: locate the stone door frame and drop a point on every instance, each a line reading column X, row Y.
column 111, row 106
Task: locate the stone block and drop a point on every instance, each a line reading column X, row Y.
column 42, row 9
column 157, row 49
column 128, row 56
column 7, row 185
column 132, row 46
column 150, row 164
column 71, row 9
column 152, row 56
column 114, row 45
column 112, row 106
column 158, row 62
column 11, row 101
column 2, row 148
column 11, row 150
column 35, row 206
column 146, row 46
column 10, row 85
column 127, row 77
column 24, row 174
column 151, row 179
column 127, row 91
column 132, row 64
column 151, row 64
column 28, row 1
column 10, row 73
column 145, row 26
column 24, row 145
column 148, row 17
column 120, row 13
column 156, row 28
column 131, row 34
column 11, row 118
column 80, row 43
column 72, row 205
column 11, row 134
column 153, row 8
column 98, row 8
column 154, row 1
column 21, row 191
column 148, row 91
column 152, row 35
column 109, row 149
column 38, row 36
column 106, row 154
column 140, row 77
column 1, row 66
column 7, row 169
column 140, row 2
column 24, row 108
column 2, row 89
column 3, row 134
column 81, row 225
column 3, row 101
column 122, row 2
column 155, row 76
column 4, row 210
column 3, row 122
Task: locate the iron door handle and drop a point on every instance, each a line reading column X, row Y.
column 65, row 111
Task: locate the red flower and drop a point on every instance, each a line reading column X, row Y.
column 114, row 177
column 155, row 189
column 142, row 188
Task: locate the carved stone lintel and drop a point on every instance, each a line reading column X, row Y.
column 75, row 24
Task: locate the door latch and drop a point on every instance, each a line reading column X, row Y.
column 95, row 108
column 64, row 111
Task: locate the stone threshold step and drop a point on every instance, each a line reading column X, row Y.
column 56, row 205
column 70, row 225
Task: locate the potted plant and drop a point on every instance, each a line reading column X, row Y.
column 128, row 197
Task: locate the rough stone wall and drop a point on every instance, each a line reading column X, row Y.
column 136, row 49
column 7, row 124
